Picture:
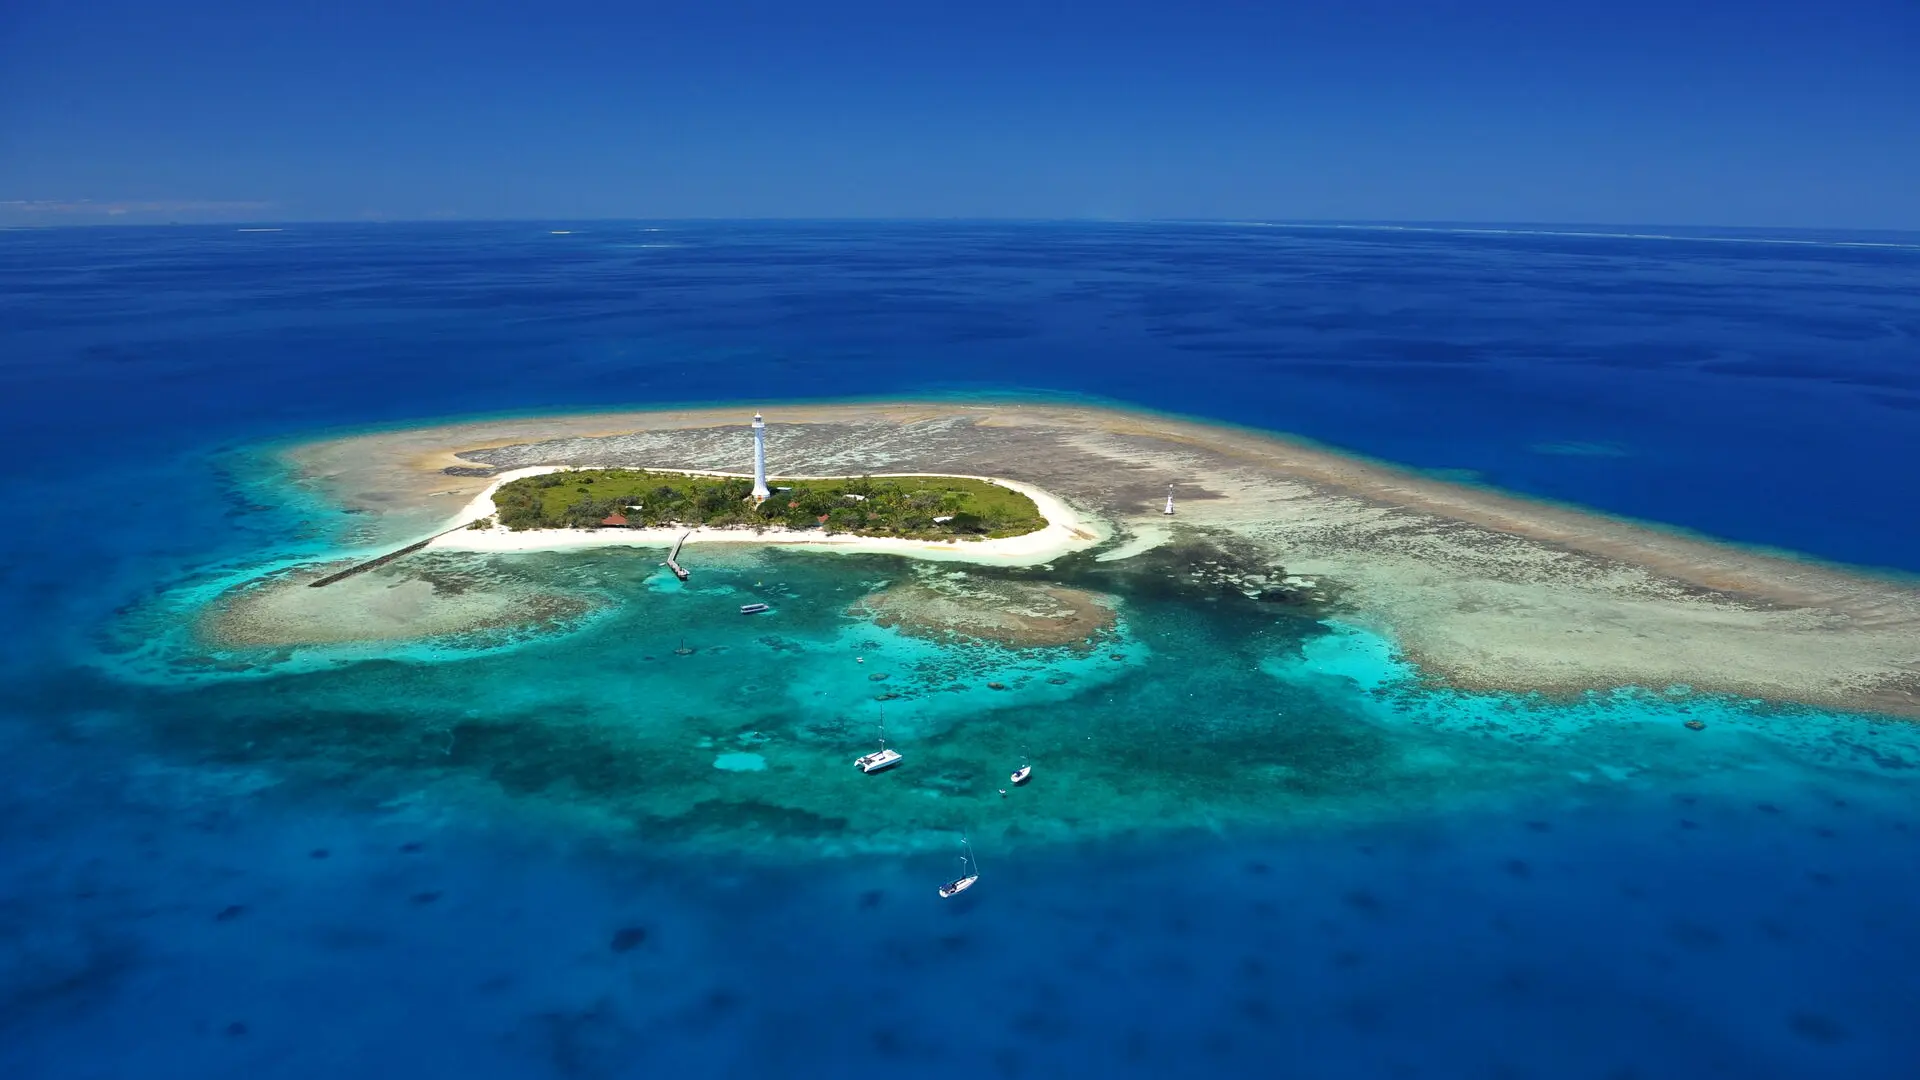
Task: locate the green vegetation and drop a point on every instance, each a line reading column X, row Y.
column 867, row 506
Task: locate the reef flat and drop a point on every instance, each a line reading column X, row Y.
column 430, row 596
column 1016, row 614
column 1480, row 589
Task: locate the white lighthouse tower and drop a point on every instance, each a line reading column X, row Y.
column 760, row 491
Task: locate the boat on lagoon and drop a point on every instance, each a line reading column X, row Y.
column 969, row 873
column 883, row 758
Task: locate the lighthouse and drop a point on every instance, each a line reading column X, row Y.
column 760, row 491
column 1169, row 510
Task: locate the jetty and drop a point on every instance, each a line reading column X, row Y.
column 382, row 560
column 673, row 557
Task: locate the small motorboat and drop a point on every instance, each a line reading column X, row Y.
column 753, row 609
column 882, row 758
column 969, row 873
column 1022, row 774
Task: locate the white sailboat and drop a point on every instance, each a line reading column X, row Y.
column 882, row 758
column 1025, row 772
column 969, row 873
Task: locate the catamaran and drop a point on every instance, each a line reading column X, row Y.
column 753, row 609
column 969, row 873
column 882, row 758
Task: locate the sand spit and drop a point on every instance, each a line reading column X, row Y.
column 1480, row 588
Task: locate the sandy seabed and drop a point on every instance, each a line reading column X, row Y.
column 1481, row 589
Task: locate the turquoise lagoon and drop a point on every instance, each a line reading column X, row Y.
column 637, row 837
column 1256, row 842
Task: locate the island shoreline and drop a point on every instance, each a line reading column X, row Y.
column 1066, row 530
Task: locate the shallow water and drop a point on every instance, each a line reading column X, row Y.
column 1254, row 842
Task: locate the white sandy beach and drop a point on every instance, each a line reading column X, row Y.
column 1066, row 530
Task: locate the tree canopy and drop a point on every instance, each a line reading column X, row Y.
column 920, row 507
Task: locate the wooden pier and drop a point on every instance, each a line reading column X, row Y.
column 673, row 557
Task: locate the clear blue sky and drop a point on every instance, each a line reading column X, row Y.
column 1630, row 111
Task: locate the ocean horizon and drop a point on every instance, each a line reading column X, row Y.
column 521, row 854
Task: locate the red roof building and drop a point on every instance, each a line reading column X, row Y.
column 614, row 519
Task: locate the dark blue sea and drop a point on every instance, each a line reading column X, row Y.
column 428, row 863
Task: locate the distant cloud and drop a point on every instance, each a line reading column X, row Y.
column 115, row 208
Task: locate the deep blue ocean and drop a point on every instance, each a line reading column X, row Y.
column 1606, row 901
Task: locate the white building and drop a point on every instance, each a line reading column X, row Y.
column 760, row 491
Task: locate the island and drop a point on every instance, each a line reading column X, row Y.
column 915, row 507
column 1477, row 589
column 942, row 517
